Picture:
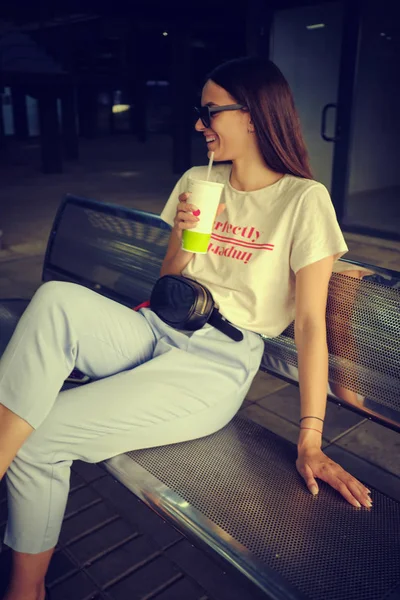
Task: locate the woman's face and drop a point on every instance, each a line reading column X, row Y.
column 229, row 129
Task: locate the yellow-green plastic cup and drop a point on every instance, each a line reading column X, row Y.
column 205, row 195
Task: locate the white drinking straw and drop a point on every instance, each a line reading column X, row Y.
column 210, row 162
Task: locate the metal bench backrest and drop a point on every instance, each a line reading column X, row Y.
column 118, row 252
column 111, row 249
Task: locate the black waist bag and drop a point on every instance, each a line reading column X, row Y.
column 184, row 303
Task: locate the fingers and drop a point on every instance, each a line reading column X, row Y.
column 183, row 204
column 186, row 214
column 310, row 481
column 358, row 491
column 348, row 486
column 184, row 196
column 351, row 489
column 350, row 492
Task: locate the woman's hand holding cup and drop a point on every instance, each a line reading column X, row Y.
column 184, row 218
column 187, row 214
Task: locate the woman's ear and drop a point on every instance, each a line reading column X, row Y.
column 250, row 124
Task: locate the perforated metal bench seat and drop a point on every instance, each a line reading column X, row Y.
column 237, row 490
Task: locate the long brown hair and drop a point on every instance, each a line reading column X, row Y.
column 259, row 85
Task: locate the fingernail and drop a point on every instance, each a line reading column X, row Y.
column 196, row 212
column 314, row 490
column 358, row 504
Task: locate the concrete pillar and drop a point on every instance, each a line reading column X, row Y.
column 69, row 116
column 139, row 116
column 87, row 110
column 20, row 113
column 181, row 98
column 136, row 45
column 3, row 139
column 50, row 137
column 111, row 116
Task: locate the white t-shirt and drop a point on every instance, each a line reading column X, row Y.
column 258, row 244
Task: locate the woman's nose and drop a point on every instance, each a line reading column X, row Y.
column 199, row 125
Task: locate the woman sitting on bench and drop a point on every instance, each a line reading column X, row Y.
column 269, row 260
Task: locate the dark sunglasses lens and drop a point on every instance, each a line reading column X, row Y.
column 203, row 114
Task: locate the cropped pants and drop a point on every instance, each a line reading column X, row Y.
column 151, row 385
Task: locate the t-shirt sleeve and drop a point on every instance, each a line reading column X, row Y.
column 169, row 211
column 317, row 234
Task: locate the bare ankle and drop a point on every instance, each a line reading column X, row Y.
column 28, row 575
column 15, row 593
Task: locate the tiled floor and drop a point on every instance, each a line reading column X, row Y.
column 126, row 173
column 113, row 547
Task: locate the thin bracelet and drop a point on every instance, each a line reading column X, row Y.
column 319, row 419
column 311, row 429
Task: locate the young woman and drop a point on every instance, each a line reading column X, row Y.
column 269, row 261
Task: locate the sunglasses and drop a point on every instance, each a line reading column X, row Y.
column 204, row 113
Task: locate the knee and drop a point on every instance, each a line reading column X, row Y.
column 52, row 292
column 53, row 288
column 36, row 451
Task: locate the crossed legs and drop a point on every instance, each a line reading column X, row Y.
column 191, row 387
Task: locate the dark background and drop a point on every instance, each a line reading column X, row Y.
column 90, row 56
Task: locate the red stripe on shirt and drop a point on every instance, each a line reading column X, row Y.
column 220, row 238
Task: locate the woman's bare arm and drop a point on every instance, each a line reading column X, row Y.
column 310, row 338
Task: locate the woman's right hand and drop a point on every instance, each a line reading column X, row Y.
column 184, row 218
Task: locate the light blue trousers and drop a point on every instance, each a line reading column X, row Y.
column 153, row 385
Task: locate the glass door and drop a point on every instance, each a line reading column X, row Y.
column 305, row 44
column 343, row 66
column 372, row 203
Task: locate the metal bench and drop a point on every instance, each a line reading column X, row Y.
column 237, row 491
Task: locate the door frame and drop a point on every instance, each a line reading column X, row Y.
column 344, row 121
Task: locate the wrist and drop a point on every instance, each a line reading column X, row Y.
column 309, row 438
column 310, row 435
